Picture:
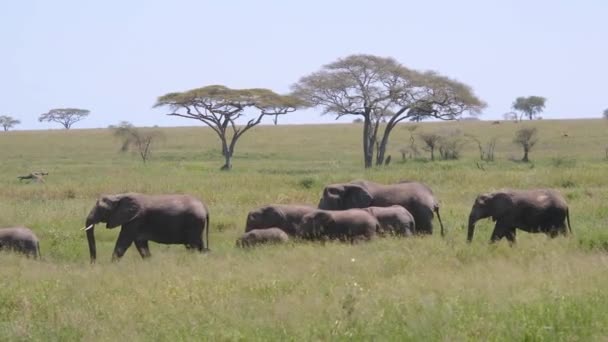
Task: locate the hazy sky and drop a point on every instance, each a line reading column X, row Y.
column 115, row 57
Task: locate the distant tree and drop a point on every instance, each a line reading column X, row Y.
column 358, row 121
column 139, row 140
column 64, row 116
column 510, row 116
column 431, row 140
column 606, row 114
column 529, row 106
column 526, row 137
column 381, row 89
column 486, row 151
column 470, row 118
column 219, row 107
column 8, row 122
column 451, row 144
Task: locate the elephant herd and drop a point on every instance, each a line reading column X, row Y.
column 354, row 211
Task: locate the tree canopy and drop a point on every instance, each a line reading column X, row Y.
column 8, row 122
column 64, row 116
column 529, row 106
column 381, row 89
column 527, row 138
column 220, row 107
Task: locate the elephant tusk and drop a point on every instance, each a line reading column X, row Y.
column 87, row 228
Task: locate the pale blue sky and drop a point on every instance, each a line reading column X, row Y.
column 115, row 57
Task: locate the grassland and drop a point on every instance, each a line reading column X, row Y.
column 420, row 289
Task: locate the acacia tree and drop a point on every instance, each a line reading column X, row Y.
column 431, row 140
column 529, row 106
column 8, row 122
column 378, row 88
column 65, row 116
column 219, row 107
column 526, row 137
column 606, row 114
column 139, row 140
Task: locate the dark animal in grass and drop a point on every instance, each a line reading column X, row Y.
column 262, row 236
column 394, row 220
column 345, row 225
column 533, row 211
column 167, row 219
column 286, row 217
column 416, row 197
column 20, row 240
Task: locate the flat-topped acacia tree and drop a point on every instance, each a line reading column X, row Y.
column 380, row 89
column 64, row 116
column 219, row 107
column 8, row 122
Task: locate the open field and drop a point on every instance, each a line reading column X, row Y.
column 420, row 289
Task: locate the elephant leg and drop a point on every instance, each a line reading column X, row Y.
column 194, row 240
column 500, row 231
column 142, row 248
column 124, row 241
column 510, row 234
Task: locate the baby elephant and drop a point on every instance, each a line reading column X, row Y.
column 20, row 239
column 262, row 236
column 344, row 225
column 394, row 220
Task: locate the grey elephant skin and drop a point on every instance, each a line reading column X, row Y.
column 534, row 211
column 345, row 225
column 394, row 220
column 283, row 216
column 167, row 219
column 416, row 197
column 21, row 240
column 255, row 237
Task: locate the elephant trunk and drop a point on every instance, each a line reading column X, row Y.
column 90, row 222
column 471, row 231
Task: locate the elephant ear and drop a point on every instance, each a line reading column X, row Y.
column 502, row 203
column 355, row 196
column 125, row 209
column 273, row 216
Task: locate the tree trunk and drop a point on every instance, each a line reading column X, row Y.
column 368, row 150
column 432, row 153
column 382, row 147
column 525, row 158
column 227, row 162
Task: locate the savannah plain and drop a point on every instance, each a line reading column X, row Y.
column 416, row 289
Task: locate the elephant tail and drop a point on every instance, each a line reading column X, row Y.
column 207, row 229
column 38, row 249
column 436, row 210
column 568, row 219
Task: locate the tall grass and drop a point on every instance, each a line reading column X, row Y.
column 390, row 289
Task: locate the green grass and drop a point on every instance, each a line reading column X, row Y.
column 420, row 289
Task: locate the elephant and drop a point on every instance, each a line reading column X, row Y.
column 283, row 216
column 533, row 211
column 21, row 240
column 262, row 236
column 394, row 220
column 349, row 224
column 167, row 219
column 416, row 197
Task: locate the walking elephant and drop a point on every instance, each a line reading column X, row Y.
column 416, row 197
column 394, row 220
column 21, row 240
column 345, row 225
column 262, row 236
column 533, row 211
column 167, row 219
column 283, row 216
